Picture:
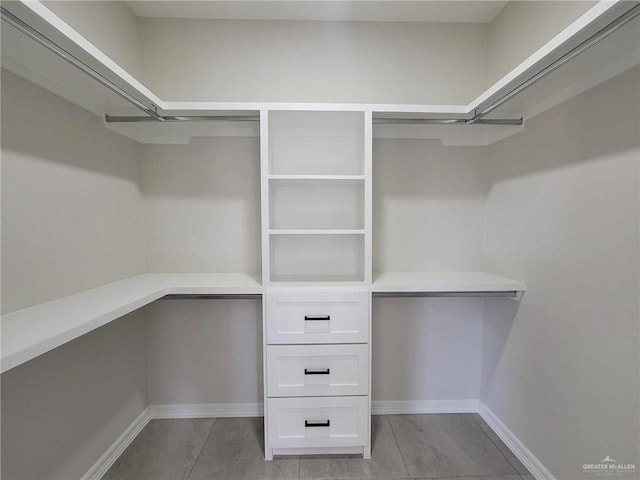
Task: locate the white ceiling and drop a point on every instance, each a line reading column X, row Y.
column 474, row 11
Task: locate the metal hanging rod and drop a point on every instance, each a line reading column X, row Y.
column 446, row 121
column 604, row 32
column 214, row 296
column 181, row 118
column 29, row 31
column 509, row 294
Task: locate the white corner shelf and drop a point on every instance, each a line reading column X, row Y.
column 32, row 331
column 444, row 282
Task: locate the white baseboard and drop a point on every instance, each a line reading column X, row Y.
column 152, row 412
column 105, row 462
column 528, row 459
column 390, row 407
column 206, row 410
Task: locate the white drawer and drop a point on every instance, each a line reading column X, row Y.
column 318, row 317
column 317, row 370
column 317, row 422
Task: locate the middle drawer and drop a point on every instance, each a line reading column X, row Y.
column 317, row 370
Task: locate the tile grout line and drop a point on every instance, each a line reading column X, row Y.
column 477, row 422
column 404, row 464
column 215, row 423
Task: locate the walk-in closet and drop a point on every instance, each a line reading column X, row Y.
column 320, row 240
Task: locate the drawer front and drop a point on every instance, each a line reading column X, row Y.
column 317, row 370
column 322, row 317
column 317, row 422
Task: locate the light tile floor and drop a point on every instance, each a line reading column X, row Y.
column 443, row 446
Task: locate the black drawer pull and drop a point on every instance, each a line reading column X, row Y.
column 308, row 424
column 326, row 371
column 317, row 318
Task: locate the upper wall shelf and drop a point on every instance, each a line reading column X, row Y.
column 394, row 283
column 33, row 331
column 22, row 56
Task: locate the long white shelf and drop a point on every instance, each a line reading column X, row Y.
column 443, row 282
column 32, row 331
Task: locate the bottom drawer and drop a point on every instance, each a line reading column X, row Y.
column 317, row 422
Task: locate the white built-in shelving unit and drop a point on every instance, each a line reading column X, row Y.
column 316, row 168
column 316, row 188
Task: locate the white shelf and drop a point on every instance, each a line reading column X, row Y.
column 443, row 282
column 317, row 177
column 33, row 331
column 316, row 231
column 321, row 281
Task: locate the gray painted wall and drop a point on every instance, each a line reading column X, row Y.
column 524, row 26
column 63, row 410
column 205, row 351
column 306, row 61
column 299, row 61
column 202, row 205
column 72, row 219
column 72, row 215
column 562, row 371
column 109, row 25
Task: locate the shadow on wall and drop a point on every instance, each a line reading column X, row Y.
column 47, row 128
column 596, row 124
column 562, row 215
column 427, row 348
column 61, row 411
column 219, row 167
column 205, row 351
column 499, row 321
column 418, row 168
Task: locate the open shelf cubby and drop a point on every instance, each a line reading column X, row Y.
column 317, row 258
column 316, row 204
column 316, row 143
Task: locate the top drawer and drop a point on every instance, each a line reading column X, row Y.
column 318, row 317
